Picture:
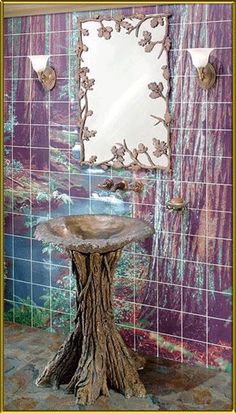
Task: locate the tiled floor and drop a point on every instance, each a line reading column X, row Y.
column 170, row 385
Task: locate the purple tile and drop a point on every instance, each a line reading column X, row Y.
column 7, row 90
column 21, row 227
column 21, row 90
column 170, row 222
column 222, row 90
column 166, row 190
column 194, row 301
column 194, row 222
column 220, row 197
column 146, row 292
column 74, row 110
column 21, row 24
column 194, row 143
column 59, row 113
column 40, row 159
column 194, row 115
column 123, row 289
column 220, row 278
column 194, row 353
column 220, row 332
column 169, row 322
column 124, row 312
column 7, row 25
column 194, row 327
column 22, row 112
column 8, row 223
column 220, row 305
column 60, row 21
column 194, row 248
column 146, row 342
column 61, row 64
column 40, row 179
column 39, row 113
column 79, row 185
column 37, row 91
column 7, row 45
column 221, row 59
column 21, row 68
column 196, row 13
column 39, row 136
column 194, row 35
column 142, row 266
column 59, row 42
column 219, row 224
column 169, row 347
column 195, row 194
column 128, row 335
column 219, row 356
column 176, row 115
column 219, row 251
column 169, row 270
column 169, row 245
column 22, row 155
column 7, row 155
column 60, row 182
column 59, row 160
column 219, row 116
column 190, row 90
column 21, row 45
column 219, row 143
column 38, row 23
column 21, row 135
column 7, row 68
column 194, row 274
column 219, row 170
column 219, row 34
column 169, row 296
column 61, row 93
column 175, row 64
column 146, row 317
column 218, row 12
column 38, row 43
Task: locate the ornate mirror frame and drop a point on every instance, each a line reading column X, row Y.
column 139, row 157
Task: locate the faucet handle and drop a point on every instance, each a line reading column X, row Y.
column 107, row 184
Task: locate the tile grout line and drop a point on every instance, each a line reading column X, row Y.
column 12, row 184
column 207, row 213
column 31, row 202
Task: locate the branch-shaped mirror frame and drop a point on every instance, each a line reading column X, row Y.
column 120, row 150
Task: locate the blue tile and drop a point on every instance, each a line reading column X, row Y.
column 41, row 296
column 22, row 247
column 37, row 251
column 40, row 273
column 8, row 289
column 8, row 245
column 22, row 270
column 22, row 291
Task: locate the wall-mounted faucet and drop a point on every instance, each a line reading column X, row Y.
column 109, row 184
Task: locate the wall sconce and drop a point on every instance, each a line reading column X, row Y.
column 206, row 74
column 46, row 74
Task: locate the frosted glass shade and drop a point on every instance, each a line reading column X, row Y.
column 200, row 56
column 39, row 62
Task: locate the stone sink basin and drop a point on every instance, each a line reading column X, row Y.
column 93, row 233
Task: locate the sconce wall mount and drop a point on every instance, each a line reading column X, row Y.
column 206, row 75
column 46, row 74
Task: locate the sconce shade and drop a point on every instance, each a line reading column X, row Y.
column 200, row 56
column 39, row 62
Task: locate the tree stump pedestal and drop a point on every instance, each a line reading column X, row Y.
column 94, row 357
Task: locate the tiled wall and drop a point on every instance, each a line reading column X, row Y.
column 172, row 292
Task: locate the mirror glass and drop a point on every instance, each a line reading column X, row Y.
column 123, row 91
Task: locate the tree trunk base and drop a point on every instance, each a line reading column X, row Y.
column 94, row 356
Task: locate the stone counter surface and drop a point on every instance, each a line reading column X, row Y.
column 170, row 385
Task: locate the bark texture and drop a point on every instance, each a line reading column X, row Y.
column 94, row 356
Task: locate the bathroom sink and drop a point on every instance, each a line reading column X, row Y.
column 93, row 233
column 95, row 243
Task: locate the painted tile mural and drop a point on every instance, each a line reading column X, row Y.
column 172, row 292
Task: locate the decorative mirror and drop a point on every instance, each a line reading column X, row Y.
column 124, row 89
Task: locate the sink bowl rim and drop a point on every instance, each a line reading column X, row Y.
column 42, row 233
